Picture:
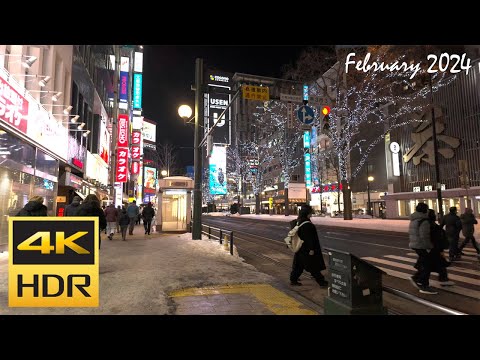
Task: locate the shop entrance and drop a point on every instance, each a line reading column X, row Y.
column 174, row 210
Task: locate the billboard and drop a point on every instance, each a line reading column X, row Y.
column 150, row 181
column 138, row 62
column 122, row 134
column 149, row 131
column 217, row 103
column 218, row 176
column 123, row 88
column 13, row 107
column 122, row 165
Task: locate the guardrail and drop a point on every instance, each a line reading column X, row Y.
column 210, row 231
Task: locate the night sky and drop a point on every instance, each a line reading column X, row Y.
column 169, row 73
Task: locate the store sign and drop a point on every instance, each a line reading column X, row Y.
column 428, row 188
column 218, row 161
column 135, row 168
column 138, row 62
column 150, row 179
column 122, row 131
column 13, row 107
column 122, row 165
column 136, row 137
column 149, row 131
column 124, row 64
column 215, row 106
column 308, row 170
column 137, row 91
column 123, row 87
column 135, row 152
column 416, row 189
column 137, row 123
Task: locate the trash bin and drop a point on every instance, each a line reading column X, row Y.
column 355, row 286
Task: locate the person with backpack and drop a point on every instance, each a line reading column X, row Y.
column 419, row 236
column 91, row 207
column 309, row 257
column 71, row 210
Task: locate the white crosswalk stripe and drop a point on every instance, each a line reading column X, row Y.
column 465, row 272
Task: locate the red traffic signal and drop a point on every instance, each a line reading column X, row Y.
column 326, row 110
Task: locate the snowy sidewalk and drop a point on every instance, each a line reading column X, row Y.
column 139, row 276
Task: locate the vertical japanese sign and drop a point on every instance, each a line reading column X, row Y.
column 135, row 168
column 306, row 156
column 122, row 165
column 124, row 69
column 136, row 137
column 122, row 131
column 217, row 103
column 137, row 91
column 135, row 153
column 13, row 107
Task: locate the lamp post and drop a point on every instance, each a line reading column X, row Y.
column 369, row 179
column 164, row 173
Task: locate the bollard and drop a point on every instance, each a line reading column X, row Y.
column 225, row 242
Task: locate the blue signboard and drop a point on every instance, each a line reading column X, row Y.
column 305, row 92
column 306, row 139
column 123, row 87
column 308, row 170
column 305, row 115
column 137, row 91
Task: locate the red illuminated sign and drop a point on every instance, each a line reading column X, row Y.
column 13, row 107
column 77, row 163
column 136, row 137
column 122, row 131
column 135, row 152
column 122, row 165
column 135, row 168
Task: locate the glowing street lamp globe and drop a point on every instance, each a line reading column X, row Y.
column 164, row 172
column 185, row 111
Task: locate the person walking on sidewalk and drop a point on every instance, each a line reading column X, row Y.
column 133, row 213
column 419, row 236
column 34, row 207
column 124, row 221
column 453, row 225
column 119, row 215
column 91, row 207
column 309, row 257
column 111, row 216
column 71, row 210
column 148, row 213
column 468, row 229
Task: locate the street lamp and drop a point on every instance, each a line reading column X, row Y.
column 370, row 179
column 164, row 173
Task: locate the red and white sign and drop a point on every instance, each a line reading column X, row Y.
column 13, row 107
column 136, row 137
column 135, row 168
column 135, row 152
column 122, row 165
column 122, row 131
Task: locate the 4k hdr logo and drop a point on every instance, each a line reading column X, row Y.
column 53, row 262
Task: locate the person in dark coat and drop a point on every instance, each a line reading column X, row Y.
column 148, row 213
column 71, row 210
column 309, row 257
column 468, row 229
column 453, row 225
column 111, row 216
column 124, row 221
column 91, row 207
column 438, row 263
column 34, row 207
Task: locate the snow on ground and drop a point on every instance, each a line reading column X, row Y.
column 136, row 275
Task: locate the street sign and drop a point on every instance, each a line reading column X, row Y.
column 305, row 115
column 251, row 92
column 291, row 98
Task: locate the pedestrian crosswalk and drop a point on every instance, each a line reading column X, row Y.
column 464, row 272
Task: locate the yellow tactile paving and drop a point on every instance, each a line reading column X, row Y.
column 275, row 300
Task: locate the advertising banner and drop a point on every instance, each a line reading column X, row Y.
column 122, row 165
column 122, row 131
column 150, row 182
column 149, row 131
column 135, row 152
column 13, row 107
column 138, row 62
column 218, row 176
column 137, row 91
column 136, row 137
column 135, row 168
column 123, row 87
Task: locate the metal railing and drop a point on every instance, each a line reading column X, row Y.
column 211, row 232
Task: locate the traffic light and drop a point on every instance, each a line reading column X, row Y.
column 326, row 119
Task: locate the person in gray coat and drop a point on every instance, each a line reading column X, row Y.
column 71, row 210
column 420, row 241
column 468, row 229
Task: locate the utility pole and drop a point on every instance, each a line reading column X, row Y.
column 197, row 155
column 113, row 152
